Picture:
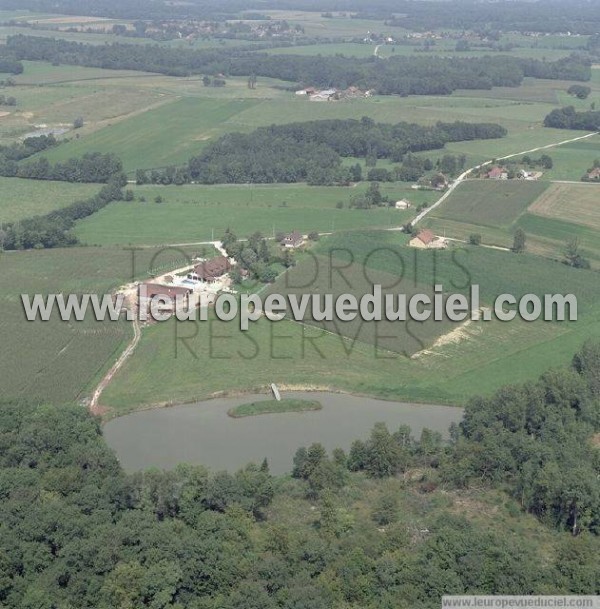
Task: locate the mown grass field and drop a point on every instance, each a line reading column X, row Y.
column 56, row 361
column 480, row 358
column 199, row 213
column 21, row 199
column 168, row 135
column 154, row 120
column 571, row 161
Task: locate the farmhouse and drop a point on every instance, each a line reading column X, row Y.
column 326, row 95
column 308, row 91
column 209, row 271
column 292, row 240
column 497, row 173
column 402, row 204
column 149, row 290
column 594, row 174
column 425, row 239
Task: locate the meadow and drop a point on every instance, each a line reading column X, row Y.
column 193, row 213
column 56, row 361
column 571, row 161
column 25, row 198
column 168, row 135
column 479, row 358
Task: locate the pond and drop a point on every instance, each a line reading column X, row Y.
column 204, row 434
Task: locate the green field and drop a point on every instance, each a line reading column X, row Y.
column 155, row 120
column 273, row 407
column 25, row 198
column 550, row 215
column 493, row 203
column 481, row 357
column 168, row 135
column 571, row 161
column 56, row 361
column 200, row 213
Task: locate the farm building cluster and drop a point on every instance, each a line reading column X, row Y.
column 333, row 94
column 503, row 173
column 195, row 284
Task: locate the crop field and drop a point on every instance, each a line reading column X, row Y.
column 478, row 358
column 24, row 198
column 495, row 203
column 566, row 211
column 199, row 213
column 56, row 361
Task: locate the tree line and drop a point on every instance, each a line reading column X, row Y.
column 17, row 151
column 410, row 75
column 92, row 167
column 384, row 525
column 9, row 64
column 569, row 118
column 54, row 228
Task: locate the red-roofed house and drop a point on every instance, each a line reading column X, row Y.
column 425, row 239
column 210, row 270
column 497, row 173
column 179, row 295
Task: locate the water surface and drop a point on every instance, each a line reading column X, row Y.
column 204, row 434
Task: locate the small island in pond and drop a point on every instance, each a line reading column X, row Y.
column 273, row 406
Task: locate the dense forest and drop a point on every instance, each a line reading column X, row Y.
column 312, row 151
column 418, row 75
column 396, row 522
column 569, row 118
column 519, row 16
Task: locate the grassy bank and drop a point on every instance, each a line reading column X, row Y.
column 273, row 406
